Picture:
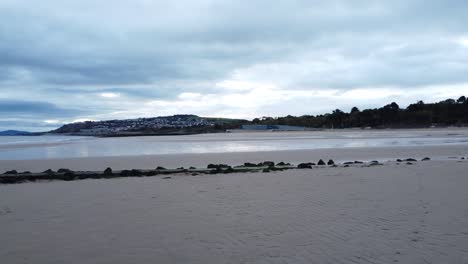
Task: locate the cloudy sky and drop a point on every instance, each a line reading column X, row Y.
column 64, row 61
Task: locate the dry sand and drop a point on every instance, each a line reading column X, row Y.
column 384, row 214
column 236, row 158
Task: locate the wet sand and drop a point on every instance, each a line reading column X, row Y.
column 236, row 158
column 384, row 214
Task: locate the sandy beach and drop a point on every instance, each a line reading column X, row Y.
column 384, row 214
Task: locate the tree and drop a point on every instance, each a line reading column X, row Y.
column 355, row 110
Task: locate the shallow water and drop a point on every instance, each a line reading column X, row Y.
column 52, row 147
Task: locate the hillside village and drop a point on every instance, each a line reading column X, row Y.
column 116, row 127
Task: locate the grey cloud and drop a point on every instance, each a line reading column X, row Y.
column 19, row 108
column 159, row 49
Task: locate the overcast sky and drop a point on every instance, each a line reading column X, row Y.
column 64, row 61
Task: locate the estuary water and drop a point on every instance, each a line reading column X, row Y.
column 57, row 146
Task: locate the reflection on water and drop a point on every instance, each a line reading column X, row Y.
column 48, row 147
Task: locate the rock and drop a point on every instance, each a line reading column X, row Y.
column 462, row 158
column 249, row 164
column 125, row 173
column 217, row 166
column 192, row 168
column 49, row 171
column 135, row 172
column 266, row 170
column 426, row 158
column 399, row 160
column 68, row 176
column 348, row 163
column 330, row 162
column 321, row 163
column 63, row 170
column 374, row 161
column 410, row 160
column 11, row 172
column 358, row 162
column 228, row 170
column 160, row 168
column 304, row 166
column 108, row 172
column 268, row 163
column 409, row 163
column 283, row 164
column 167, row 177
column 26, row 172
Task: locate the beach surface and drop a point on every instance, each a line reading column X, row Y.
column 382, row 214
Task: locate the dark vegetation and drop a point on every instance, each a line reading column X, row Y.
column 449, row 112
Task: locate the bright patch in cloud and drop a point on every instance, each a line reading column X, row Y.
column 110, row 95
column 52, row 121
column 463, row 41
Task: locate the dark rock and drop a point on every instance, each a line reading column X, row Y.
column 266, row 170
column 160, row 168
column 26, row 172
column 125, row 173
column 374, row 161
column 358, row 162
column 135, row 172
column 151, row 173
column 283, row 164
column 249, row 164
column 11, row 172
column 268, row 163
column 409, row 163
column 49, row 171
column 181, row 168
column 426, row 158
column 68, row 176
column 228, row 170
column 330, row 162
column 410, row 160
column 304, row 166
column 167, row 177
column 218, row 166
column 108, row 172
column 62, row 170
column 321, row 163
column 192, row 168
column 399, row 160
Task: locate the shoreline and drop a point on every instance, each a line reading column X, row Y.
column 200, row 160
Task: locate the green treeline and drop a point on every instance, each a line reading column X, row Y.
column 445, row 113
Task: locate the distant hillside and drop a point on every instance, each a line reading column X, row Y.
column 163, row 125
column 14, row 133
column 448, row 112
